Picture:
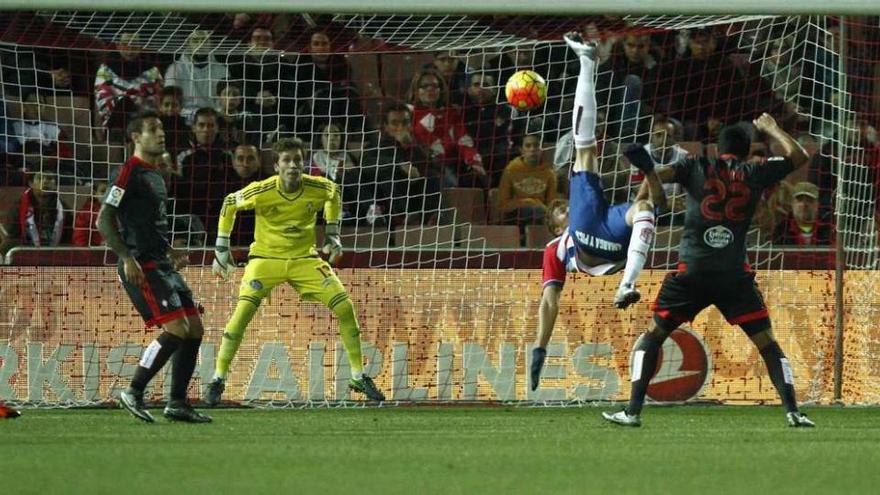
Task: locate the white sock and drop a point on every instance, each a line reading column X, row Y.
column 221, row 377
column 584, row 118
column 639, row 243
column 357, row 375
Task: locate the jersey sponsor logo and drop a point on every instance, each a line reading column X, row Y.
column 587, row 240
column 256, row 284
column 682, row 367
column 718, row 236
column 114, row 196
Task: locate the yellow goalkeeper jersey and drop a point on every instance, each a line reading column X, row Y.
column 285, row 222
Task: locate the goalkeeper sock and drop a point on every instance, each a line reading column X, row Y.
column 780, row 374
column 351, row 335
column 184, row 365
column 639, row 244
column 643, row 367
column 154, row 358
column 585, row 106
column 244, row 312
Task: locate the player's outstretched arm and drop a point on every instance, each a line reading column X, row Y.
column 332, row 213
column 547, row 313
column 791, row 148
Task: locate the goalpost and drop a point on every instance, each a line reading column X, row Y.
column 446, row 289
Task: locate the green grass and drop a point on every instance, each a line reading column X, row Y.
column 442, row 450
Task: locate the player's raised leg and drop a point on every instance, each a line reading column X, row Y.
column 584, row 112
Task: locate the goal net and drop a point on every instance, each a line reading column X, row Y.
column 443, row 255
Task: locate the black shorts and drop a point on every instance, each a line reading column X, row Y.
column 164, row 296
column 684, row 294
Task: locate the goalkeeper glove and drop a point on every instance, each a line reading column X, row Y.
column 332, row 243
column 224, row 265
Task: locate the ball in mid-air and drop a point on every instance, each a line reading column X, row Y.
column 526, row 90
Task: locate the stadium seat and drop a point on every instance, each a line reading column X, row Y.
column 365, row 238
column 494, row 209
column 537, row 236
column 492, row 236
column 695, row 148
column 712, row 150
column 418, row 237
column 468, row 202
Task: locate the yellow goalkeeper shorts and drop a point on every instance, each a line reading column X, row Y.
column 312, row 278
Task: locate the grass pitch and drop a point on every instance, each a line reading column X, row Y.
column 678, row 450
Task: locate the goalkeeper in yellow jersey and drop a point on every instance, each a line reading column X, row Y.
column 284, row 251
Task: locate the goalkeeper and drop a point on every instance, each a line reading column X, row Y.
column 284, row 251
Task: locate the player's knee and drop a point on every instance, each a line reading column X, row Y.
column 343, row 308
column 760, row 332
column 643, row 205
column 178, row 328
column 660, row 328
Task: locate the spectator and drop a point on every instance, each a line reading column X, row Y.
column 37, row 218
column 263, row 72
column 232, row 115
column 448, row 65
column 43, row 143
column 488, row 123
column 325, row 89
column 176, row 129
column 528, row 186
column 197, row 73
column 203, row 169
column 664, row 151
column 126, row 83
column 630, row 81
column 247, row 167
column 85, row 224
column 804, row 226
column 400, row 177
column 703, row 104
column 330, row 159
column 440, row 127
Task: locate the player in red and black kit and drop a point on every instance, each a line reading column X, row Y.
column 148, row 270
column 722, row 196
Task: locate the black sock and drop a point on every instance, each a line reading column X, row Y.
column 649, row 346
column 780, row 374
column 184, row 366
column 153, row 359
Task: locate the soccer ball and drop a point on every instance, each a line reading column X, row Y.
column 525, row 90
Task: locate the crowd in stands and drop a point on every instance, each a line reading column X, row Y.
column 393, row 151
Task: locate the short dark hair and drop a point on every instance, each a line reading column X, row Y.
column 394, row 106
column 136, row 125
column 287, row 145
column 205, row 111
column 175, row 91
column 735, row 139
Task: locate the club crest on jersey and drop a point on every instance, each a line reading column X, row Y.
column 256, row 284
column 682, row 367
column 718, row 236
column 114, row 196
